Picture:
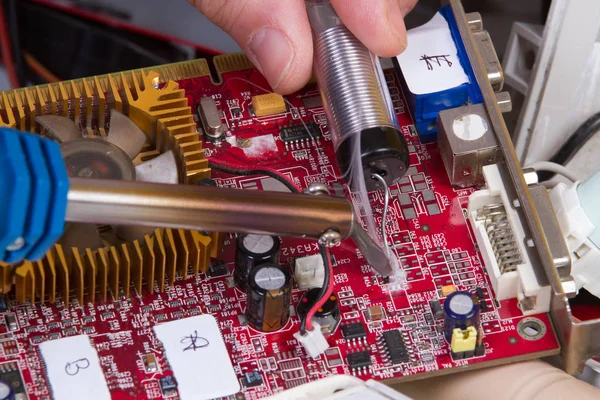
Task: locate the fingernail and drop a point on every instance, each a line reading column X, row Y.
column 272, row 53
column 396, row 22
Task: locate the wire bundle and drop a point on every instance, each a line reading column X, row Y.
column 569, row 149
column 242, row 170
column 328, row 282
column 324, row 293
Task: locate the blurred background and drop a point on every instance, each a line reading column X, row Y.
column 54, row 40
column 65, row 39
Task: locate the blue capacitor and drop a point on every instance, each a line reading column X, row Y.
column 460, row 312
column 6, row 391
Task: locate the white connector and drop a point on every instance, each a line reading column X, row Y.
column 499, row 233
column 309, row 272
column 314, row 342
column 577, row 229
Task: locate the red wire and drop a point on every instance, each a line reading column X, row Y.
column 7, row 51
column 311, row 313
column 244, row 167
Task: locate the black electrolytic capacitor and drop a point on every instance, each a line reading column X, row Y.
column 328, row 316
column 269, row 296
column 252, row 250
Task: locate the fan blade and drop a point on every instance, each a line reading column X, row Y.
column 125, row 134
column 81, row 236
column 161, row 169
column 131, row 233
column 61, row 129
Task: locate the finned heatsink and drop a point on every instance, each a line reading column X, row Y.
column 145, row 116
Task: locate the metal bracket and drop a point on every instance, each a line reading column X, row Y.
column 576, row 337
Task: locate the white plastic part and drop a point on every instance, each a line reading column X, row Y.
column 309, row 272
column 314, row 342
column 340, row 387
column 554, row 106
column 578, row 228
column 589, row 193
column 523, row 44
column 522, row 282
column 430, row 63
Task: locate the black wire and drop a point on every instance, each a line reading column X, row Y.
column 323, row 291
column 13, row 26
column 251, row 172
column 568, row 150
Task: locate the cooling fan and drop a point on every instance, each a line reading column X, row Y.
column 113, row 157
column 134, row 125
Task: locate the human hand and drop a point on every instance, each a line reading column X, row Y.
column 276, row 35
column 531, row 380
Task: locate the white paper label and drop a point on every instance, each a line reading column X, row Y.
column 196, row 352
column 430, row 62
column 73, row 369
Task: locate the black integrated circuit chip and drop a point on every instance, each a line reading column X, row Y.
column 482, row 304
column 253, row 379
column 436, row 308
column 360, row 359
column 299, row 132
column 312, row 101
column 395, row 347
column 218, row 268
column 10, row 372
column 354, row 330
column 167, row 385
column 479, row 292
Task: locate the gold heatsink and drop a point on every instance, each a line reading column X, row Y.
column 154, row 102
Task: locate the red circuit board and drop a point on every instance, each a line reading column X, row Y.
column 435, row 248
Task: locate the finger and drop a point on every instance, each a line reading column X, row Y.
column 379, row 24
column 533, row 380
column 407, row 6
column 275, row 35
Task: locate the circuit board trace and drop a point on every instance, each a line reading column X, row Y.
column 394, row 335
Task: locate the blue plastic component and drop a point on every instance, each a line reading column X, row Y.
column 33, row 198
column 15, row 193
column 38, row 199
column 55, row 220
column 425, row 107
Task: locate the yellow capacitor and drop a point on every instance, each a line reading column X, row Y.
column 447, row 290
column 268, row 104
column 463, row 340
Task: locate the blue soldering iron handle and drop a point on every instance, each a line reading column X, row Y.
column 33, row 195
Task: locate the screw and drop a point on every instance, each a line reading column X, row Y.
column 16, row 245
column 330, row 238
column 156, row 83
column 317, row 188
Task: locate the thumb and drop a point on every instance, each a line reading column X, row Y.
column 533, row 380
column 275, row 35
